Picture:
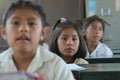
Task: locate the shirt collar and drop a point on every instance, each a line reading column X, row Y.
column 93, row 54
column 42, row 55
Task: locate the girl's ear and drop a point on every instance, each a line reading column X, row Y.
column 3, row 32
column 42, row 35
column 1, row 28
column 84, row 32
column 46, row 33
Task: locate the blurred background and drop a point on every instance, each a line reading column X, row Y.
column 109, row 10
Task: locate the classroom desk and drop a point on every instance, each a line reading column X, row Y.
column 107, row 71
column 113, row 59
column 116, row 51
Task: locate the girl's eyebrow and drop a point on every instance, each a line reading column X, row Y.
column 32, row 18
column 74, row 35
column 15, row 17
column 29, row 18
column 64, row 35
column 93, row 26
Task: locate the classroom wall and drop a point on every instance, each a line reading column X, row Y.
column 56, row 9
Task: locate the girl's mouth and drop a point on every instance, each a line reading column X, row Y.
column 23, row 38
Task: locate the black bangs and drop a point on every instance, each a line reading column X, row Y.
column 19, row 4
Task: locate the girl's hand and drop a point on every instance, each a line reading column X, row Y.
column 40, row 77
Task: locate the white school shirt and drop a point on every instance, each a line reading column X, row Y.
column 44, row 62
column 45, row 45
column 102, row 50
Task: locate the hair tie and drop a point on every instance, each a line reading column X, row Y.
column 63, row 20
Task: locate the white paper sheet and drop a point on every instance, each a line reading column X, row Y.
column 75, row 67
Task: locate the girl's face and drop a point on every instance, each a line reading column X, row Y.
column 23, row 30
column 94, row 32
column 68, row 42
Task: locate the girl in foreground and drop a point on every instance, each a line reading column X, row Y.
column 22, row 26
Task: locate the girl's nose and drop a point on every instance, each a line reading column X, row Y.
column 69, row 41
column 24, row 28
column 97, row 31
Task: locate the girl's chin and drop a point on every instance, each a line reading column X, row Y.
column 70, row 54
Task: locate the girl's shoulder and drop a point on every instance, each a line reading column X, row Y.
column 80, row 61
column 103, row 45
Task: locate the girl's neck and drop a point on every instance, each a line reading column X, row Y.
column 91, row 46
column 68, row 59
column 22, row 61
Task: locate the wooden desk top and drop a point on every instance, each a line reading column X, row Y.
column 114, row 56
column 101, row 67
column 107, row 71
column 113, row 59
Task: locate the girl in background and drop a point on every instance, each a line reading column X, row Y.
column 67, row 42
column 93, row 30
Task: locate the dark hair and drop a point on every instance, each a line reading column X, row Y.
column 91, row 19
column 79, row 22
column 20, row 4
column 57, row 30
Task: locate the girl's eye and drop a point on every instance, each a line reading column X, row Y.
column 32, row 23
column 74, row 39
column 16, row 23
column 101, row 29
column 64, row 38
column 93, row 27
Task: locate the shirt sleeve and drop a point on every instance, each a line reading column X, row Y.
column 62, row 72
